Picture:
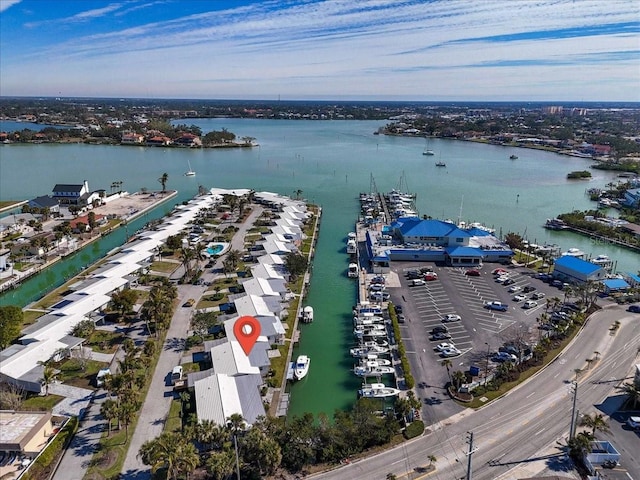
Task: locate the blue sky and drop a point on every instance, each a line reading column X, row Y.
column 491, row 50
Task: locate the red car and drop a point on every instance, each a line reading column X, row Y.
column 429, row 276
column 472, row 273
column 499, row 271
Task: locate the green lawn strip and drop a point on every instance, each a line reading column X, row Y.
column 39, row 403
column 30, row 316
column 174, row 419
column 279, row 365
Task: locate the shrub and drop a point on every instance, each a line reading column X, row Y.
column 414, row 429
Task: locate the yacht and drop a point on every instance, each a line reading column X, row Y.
column 353, row 270
column 441, row 164
column 374, row 361
column 301, row 367
column 377, row 390
column 513, row 157
column 307, row 314
column 574, row 252
column 427, row 150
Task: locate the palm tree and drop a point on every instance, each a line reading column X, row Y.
column 48, row 377
column 596, row 422
column 109, row 410
column 297, row 193
column 234, row 258
column 432, row 459
column 447, row 364
column 211, row 434
column 165, row 452
column 597, row 354
column 458, row 378
column 633, row 391
column 163, row 181
column 220, row 464
column 186, row 257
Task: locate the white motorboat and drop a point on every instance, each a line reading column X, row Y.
column 352, row 236
column 353, row 270
column 375, row 343
column 372, row 369
column 301, row 367
column 374, row 320
column 363, row 352
column 307, row 314
column 574, row 252
column 374, row 361
column 377, row 390
column 352, row 247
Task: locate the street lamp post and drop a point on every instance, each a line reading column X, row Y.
column 486, row 365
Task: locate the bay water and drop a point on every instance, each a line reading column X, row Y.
column 331, row 162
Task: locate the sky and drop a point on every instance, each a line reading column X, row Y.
column 421, row 50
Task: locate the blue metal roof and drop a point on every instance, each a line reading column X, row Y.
column 478, row 232
column 634, row 277
column 464, row 252
column 413, row 226
column 616, row 284
column 577, row 264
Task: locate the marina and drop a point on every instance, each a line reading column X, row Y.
column 326, row 179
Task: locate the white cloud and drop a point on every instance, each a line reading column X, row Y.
column 5, row 4
column 447, row 48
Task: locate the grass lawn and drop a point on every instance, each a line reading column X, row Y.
column 38, row 403
column 105, row 342
column 279, row 364
column 164, row 267
column 72, row 374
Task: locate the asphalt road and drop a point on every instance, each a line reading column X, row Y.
column 527, row 423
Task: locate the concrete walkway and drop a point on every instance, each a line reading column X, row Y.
column 158, row 402
column 75, row 402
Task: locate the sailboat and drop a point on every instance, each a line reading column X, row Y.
column 190, row 172
column 427, row 150
column 440, row 163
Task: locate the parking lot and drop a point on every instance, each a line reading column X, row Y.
column 479, row 333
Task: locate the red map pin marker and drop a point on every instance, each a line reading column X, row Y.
column 247, row 330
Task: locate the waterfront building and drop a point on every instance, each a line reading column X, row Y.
column 573, row 269
column 46, row 202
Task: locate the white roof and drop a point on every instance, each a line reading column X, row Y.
column 265, row 271
column 230, row 359
column 271, row 259
column 259, row 286
column 251, row 305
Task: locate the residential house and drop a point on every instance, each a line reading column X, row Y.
column 188, row 140
column 46, row 202
column 131, row 138
column 71, row 194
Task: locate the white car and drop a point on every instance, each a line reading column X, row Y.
column 514, row 288
column 502, row 278
column 530, row 304
column 450, row 352
column 452, row 317
column 441, row 347
column 519, row 298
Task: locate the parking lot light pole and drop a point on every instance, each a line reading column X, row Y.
column 486, row 365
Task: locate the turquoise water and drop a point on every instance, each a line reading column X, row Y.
column 331, row 162
column 215, row 250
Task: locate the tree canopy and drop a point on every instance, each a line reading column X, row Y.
column 11, row 318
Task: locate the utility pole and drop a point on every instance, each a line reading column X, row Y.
column 470, row 452
column 235, row 443
column 572, row 429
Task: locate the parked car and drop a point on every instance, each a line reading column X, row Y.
column 472, row 273
column 439, row 329
column 502, row 279
column 430, row 276
column 440, row 336
column 411, row 274
column 557, row 283
column 416, row 282
column 514, row 289
column 401, row 318
column 451, row 317
column 529, row 289
column 634, row 308
column 499, row 271
column 504, row 357
column 509, row 281
column 444, row 346
column 450, row 352
column 530, row 304
column 189, row 303
column 379, row 296
column 633, row 422
column 376, row 287
column 378, row 280
column 424, row 270
column 398, row 309
column 499, row 306
column 519, row 298
column 537, row 296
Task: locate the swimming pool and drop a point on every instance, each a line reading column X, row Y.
column 216, row 249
